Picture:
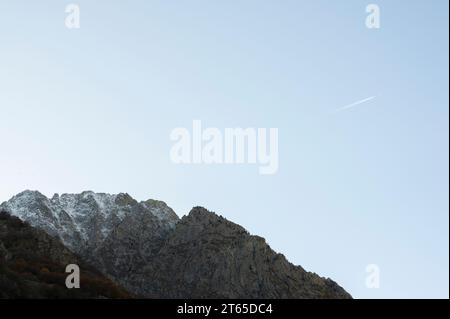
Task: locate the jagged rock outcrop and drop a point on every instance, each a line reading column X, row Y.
column 148, row 250
column 114, row 233
column 33, row 263
column 83, row 221
column 207, row 256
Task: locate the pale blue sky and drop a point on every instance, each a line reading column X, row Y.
column 93, row 109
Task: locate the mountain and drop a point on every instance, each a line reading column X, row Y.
column 32, row 265
column 147, row 249
column 208, row 256
column 83, row 221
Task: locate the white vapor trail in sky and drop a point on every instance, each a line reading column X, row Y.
column 349, row 106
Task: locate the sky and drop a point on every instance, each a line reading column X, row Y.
column 362, row 118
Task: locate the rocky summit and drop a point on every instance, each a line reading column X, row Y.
column 145, row 248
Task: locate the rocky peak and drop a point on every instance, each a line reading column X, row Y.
column 83, row 221
column 162, row 211
column 207, row 256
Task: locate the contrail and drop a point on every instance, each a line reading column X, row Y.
column 353, row 105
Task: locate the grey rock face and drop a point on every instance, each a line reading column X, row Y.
column 208, row 256
column 151, row 252
column 130, row 246
column 114, row 233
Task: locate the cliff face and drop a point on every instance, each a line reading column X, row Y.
column 207, row 256
column 146, row 249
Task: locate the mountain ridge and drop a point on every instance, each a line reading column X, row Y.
column 147, row 249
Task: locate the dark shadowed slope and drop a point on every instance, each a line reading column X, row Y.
column 32, row 265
